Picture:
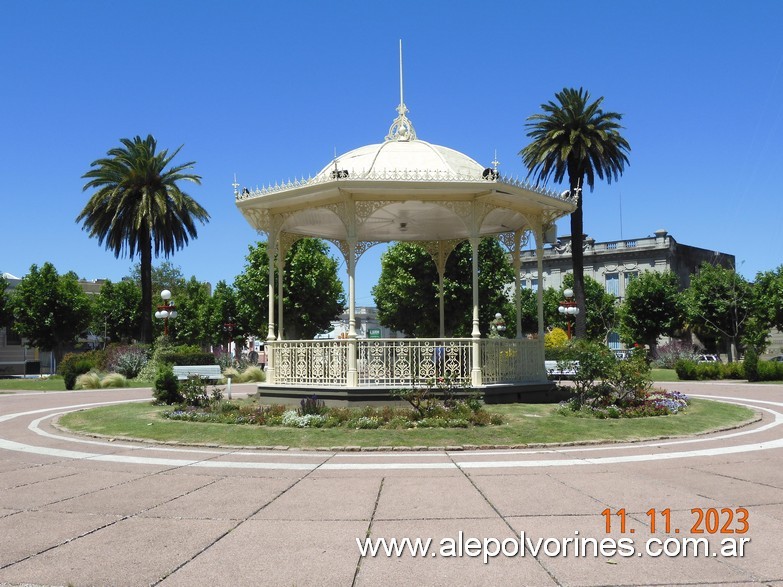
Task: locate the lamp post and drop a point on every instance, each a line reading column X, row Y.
column 229, row 328
column 166, row 311
column 497, row 327
column 568, row 308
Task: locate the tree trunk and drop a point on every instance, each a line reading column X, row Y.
column 145, row 335
column 577, row 259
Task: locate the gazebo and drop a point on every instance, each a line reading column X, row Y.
column 403, row 189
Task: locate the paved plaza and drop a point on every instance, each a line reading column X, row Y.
column 84, row 511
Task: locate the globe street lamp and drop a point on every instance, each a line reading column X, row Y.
column 166, row 311
column 568, row 308
column 497, row 327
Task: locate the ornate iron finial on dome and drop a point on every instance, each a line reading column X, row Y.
column 402, row 128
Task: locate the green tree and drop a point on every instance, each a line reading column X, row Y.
column 6, row 317
column 192, row 301
column 312, row 291
column 117, row 311
column 574, row 137
column 222, row 311
column 601, row 313
column 407, row 291
column 720, row 302
column 768, row 289
column 49, row 310
column 139, row 209
column 651, row 309
column 165, row 275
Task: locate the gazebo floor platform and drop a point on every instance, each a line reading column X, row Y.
column 339, row 396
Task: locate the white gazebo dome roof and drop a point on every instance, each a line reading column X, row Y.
column 394, row 157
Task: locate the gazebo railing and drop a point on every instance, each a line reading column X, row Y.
column 506, row 360
column 404, row 362
column 310, row 362
column 409, row 361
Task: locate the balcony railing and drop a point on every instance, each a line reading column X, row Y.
column 405, row 362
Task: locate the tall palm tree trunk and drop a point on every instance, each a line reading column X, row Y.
column 146, row 291
column 577, row 259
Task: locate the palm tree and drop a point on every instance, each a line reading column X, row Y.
column 575, row 137
column 139, row 204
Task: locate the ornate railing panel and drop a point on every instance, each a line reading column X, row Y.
column 399, row 362
column 310, row 362
column 405, row 362
column 511, row 361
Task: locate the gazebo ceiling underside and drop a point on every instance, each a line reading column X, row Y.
column 402, row 210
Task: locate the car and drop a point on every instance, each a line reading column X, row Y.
column 709, row 359
column 622, row 354
column 778, row 358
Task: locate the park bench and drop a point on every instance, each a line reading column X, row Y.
column 561, row 368
column 203, row 371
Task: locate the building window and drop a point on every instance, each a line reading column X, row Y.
column 630, row 276
column 534, row 284
column 12, row 338
column 613, row 284
column 613, row 341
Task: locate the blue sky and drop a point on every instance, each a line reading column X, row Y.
column 269, row 90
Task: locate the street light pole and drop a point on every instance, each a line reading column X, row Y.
column 166, row 310
column 568, row 308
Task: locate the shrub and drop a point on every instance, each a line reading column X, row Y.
column 150, row 370
column 73, row 365
column 89, row 380
column 770, row 371
column 166, row 389
column 555, row 339
column 127, row 360
column 194, row 392
column 189, row 357
column 114, row 380
column 668, row 354
column 311, row 406
column 686, row 369
column 595, row 362
column 750, row 363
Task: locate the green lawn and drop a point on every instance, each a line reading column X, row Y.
column 664, row 375
column 55, row 383
column 525, row 424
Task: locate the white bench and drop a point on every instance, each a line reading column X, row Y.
column 561, row 368
column 203, row 371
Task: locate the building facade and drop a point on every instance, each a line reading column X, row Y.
column 614, row 264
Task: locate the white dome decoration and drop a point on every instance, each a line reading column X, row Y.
column 397, row 157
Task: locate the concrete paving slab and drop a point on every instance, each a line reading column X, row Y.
column 229, row 498
column 724, row 490
column 277, row 553
column 530, row 495
column 132, row 552
column 43, row 493
column 771, row 473
column 133, row 496
column 324, row 499
column 26, row 534
column 35, row 474
column 634, row 494
column 451, row 564
column 406, row 498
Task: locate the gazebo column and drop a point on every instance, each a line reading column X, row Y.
column 539, row 233
column 515, row 256
column 353, row 370
column 280, row 264
column 441, row 307
column 475, row 374
column 271, row 248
